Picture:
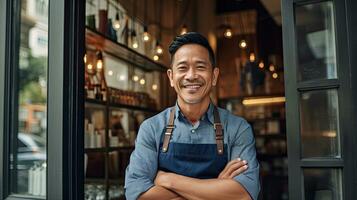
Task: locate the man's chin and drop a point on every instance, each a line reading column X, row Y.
column 192, row 100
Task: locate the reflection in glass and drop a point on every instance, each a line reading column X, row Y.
column 28, row 163
column 319, row 124
column 315, row 32
column 322, row 184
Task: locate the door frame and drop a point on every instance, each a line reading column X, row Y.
column 345, row 83
column 65, row 96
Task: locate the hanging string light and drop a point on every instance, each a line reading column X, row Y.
column 275, row 75
column 135, row 43
column 252, row 57
column 156, row 57
column 99, row 60
column 158, row 48
column 85, row 56
column 146, row 35
column 134, row 39
column 271, row 67
column 184, row 30
column 228, row 32
column 261, row 65
column 243, row 44
column 116, row 23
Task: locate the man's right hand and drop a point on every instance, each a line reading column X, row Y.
column 233, row 168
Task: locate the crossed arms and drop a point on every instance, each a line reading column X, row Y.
column 171, row 186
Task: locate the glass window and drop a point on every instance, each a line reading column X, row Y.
column 322, row 184
column 315, row 32
column 319, row 124
column 28, row 163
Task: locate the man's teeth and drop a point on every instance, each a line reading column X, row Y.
column 192, row 86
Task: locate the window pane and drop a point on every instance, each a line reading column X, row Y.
column 315, row 32
column 319, row 124
column 28, row 155
column 322, row 184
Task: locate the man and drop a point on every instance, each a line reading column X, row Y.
column 193, row 150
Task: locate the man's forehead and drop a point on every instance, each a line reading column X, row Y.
column 193, row 51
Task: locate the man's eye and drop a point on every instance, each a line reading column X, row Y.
column 201, row 67
column 181, row 68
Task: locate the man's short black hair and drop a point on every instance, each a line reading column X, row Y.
column 191, row 38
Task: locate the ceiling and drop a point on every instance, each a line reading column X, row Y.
column 266, row 8
column 274, row 9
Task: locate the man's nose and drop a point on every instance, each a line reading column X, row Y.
column 191, row 73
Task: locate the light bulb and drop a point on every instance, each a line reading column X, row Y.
column 251, row 57
column 271, row 67
column 146, row 35
column 135, row 78
column 89, row 66
column 261, row 64
column 243, row 44
column 275, row 75
column 183, row 30
column 134, row 40
column 110, row 73
column 121, row 77
column 99, row 64
column 135, row 44
column 154, row 87
column 85, row 58
column 228, row 33
column 159, row 49
column 116, row 23
column 142, row 81
column 99, row 60
column 156, row 57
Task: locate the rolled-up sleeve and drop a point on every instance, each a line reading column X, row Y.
column 244, row 148
column 142, row 168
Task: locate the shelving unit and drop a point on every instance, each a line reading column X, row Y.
column 111, row 161
column 270, row 141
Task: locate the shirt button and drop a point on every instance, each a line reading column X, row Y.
column 192, row 131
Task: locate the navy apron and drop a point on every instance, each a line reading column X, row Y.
column 201, row 161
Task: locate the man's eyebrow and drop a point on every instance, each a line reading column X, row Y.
column 201, row 62
column 181, row 62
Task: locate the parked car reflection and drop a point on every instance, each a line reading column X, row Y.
column 31, row 149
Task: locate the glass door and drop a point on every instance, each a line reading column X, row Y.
column 318, row 92
column 41, row 112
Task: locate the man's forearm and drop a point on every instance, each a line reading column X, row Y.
column 158, row 192
column 205, row 189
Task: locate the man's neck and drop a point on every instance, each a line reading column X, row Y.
column 193, row 112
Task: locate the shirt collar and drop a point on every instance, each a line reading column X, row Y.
column 207, row 116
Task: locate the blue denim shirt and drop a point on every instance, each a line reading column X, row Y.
column 141, row 172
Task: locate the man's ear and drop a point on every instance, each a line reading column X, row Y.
column 170, row 75
column 215, row 76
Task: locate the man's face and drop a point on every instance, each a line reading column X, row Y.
column 191, row 74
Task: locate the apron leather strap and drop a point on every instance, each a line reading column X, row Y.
column 219, row 131
column 169, row 128
column 217, row 127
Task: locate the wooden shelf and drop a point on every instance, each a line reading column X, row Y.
column 271, row 136
column 96, row 102
column 121, row 148
column 139, row 108
column 95, row 180
column 90, row 150
column 115, row 49
column 118, row 105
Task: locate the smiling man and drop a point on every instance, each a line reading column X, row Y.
column 193, row 150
